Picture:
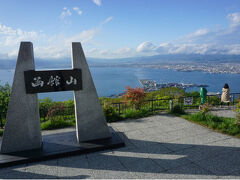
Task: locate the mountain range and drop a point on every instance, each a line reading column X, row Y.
column 157, row 59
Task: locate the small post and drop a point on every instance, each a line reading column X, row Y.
column 233, row 99
column 119, row 105
column 152, row 105
column 1, row 121
column 171, row 104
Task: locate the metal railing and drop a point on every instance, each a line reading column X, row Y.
column 151, row 105
column 165, row 104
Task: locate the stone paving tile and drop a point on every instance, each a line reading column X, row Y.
column 225, row 113
column 197, row 130
column 74, row 167
column 155, row 150
column 234, row 175
column 200, row 152
column 182, row 125
column 181, row 133
column 158, row 129
column 109, row 174
column 189, row 171
column 45, row 169
column 14, row 172
column 140, row 165
column 174, row 120
column 176, row 146
column 190, row 154
column 127, row 127
column 171, row 161
column 128, row 143
column 226, row 164
column 143, row 144
column 199, row 139
column 151, row 152
column 135, row 134
column 129, row 155
column 102, row 160
column 161, row 146
column 230, row 142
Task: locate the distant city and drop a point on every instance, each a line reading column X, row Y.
column 152, row 85
column 231, row 68
column 216, row 68
column 215, row 64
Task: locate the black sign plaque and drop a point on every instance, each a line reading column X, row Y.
column 51, row 81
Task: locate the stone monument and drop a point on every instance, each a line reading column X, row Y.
column 22, row 129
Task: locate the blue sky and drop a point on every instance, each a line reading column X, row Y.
column 120, row 28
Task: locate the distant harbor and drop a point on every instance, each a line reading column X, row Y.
column 152, row 85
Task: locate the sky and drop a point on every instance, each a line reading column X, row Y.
column 120, row 28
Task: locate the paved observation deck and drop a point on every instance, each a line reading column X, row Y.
column 161, row 146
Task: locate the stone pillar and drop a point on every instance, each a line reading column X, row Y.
column 90, row 120
column 22, row 128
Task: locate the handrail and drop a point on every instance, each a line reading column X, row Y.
column 150, row 105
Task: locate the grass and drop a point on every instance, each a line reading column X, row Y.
column 56, row 124
column 222, row 124
column 134, row 114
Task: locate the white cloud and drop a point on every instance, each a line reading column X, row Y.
column 202, row 41
column 84, row 37
column 107, row 20
column 66, row 12
column 57, row 46
column 146, row 47
column 234, row 19
column 6, row 30
column 97, row 2
column 10, row 39
column 77, row 10
column 46, row 46
column 199, row 32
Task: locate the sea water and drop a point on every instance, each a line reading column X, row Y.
column 113, row 80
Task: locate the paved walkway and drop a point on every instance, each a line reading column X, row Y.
column 160, row 146
column 224, row 111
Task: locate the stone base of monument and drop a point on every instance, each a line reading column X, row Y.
column 60, row 145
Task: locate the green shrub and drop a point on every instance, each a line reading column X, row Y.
column 44, row 105
column 205, row 108
column 237, row 110
column 110, row 114
column 177, row 109
column 4, row 99
column 223, row 124
column 133, row 114
column 214, row 100
column 57, row 123
column 172, row 92
column 55, row 111
column 1, row 132
column 162, row 102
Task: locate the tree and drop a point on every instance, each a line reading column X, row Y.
column 44, row 105
column 135, row 96
column 4, row 100
column 56, row 111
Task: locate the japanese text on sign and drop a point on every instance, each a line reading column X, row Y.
column 50, row 81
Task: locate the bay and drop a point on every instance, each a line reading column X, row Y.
column 113, row 80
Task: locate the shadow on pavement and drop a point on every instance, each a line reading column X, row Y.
column 150, row 157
